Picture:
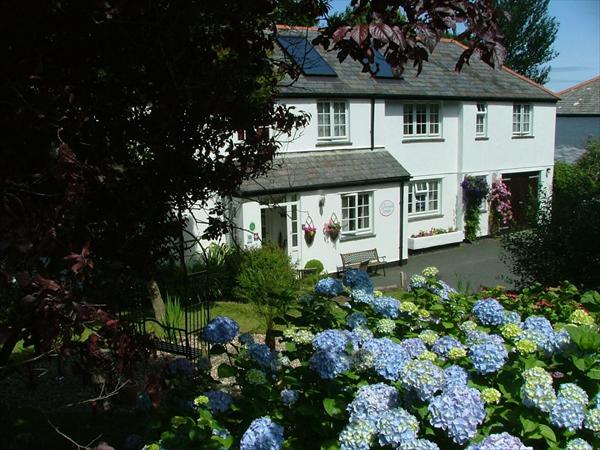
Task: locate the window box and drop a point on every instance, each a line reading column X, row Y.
column 418, row 243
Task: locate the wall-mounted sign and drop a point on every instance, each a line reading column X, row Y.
column 252, row 226
column 386, row 208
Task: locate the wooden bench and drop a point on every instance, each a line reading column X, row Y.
column 363, row 260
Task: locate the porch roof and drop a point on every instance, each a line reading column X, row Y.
column 304, row 171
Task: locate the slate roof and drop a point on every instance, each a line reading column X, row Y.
column 582, row 99
column 438, row 79
column 301, row 171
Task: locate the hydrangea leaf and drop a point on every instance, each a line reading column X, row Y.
column 547, row 433
column 225, row 371
column 334, row 407
column 594, row 373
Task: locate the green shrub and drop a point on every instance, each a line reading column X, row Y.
column 570, row 184
column 315, row 264
column 268, row 281
column 589, row 162
column 174, row 315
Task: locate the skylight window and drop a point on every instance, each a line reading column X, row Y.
column 305, row 56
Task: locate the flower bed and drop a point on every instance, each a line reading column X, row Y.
column 432, row 370
column 434, row 240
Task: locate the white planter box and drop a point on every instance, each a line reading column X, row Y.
column 436, row 240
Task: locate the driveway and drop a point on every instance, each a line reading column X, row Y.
column 464, row 267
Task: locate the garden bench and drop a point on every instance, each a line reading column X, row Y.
column 363, row 260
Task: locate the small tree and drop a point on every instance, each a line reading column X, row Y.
column 268, row 281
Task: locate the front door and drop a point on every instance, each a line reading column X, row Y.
column 524, row 189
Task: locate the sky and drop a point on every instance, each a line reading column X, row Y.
column 577, row 41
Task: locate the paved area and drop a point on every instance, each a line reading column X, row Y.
column 464, row 267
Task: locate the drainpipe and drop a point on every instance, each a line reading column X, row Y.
column 401, row 241
column 372, row 123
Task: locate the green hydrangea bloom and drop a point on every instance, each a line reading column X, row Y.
column 456, row 353
column 424, row 314
column 255, row 376
column 581, row 317
column 490, row 395
column 468, row 325
column 429, row 336
column 430, row 272
column 511, row 331
column 427, row 355
column 526, row 346
column 408, row 307
column 385, row 326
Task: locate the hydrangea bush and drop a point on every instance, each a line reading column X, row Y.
column 431, row 369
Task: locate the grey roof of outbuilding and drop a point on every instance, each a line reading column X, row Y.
column 582, row 99
column 438, row 79
column 303, row 171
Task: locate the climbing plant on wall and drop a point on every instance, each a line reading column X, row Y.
column 475, row 190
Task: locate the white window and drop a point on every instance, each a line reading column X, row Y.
column 481, row 120
column 422, row 120
column 332, row 120
column 521, row 120
column 356, row 212
column 424, row 197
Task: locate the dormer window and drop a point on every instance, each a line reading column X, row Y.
column 332, row 120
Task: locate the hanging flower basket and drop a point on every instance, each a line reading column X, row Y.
column 310, row 230
column 332, row 227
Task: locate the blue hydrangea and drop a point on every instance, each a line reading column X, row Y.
column 444, row 344
column 357, row 435
column 181, row 367
column 458, row 411
column 488, row 357
column 537, row 391
column 263, row 356
column 262, row 434
column 289, row 396
column 423, row 377
column 386, row 306
column 413, row 346
column 361, row 296
column 442, row 290
column 500, row 441
column 329, row 364
column 567, row 414
column 361, row 334
column 488, row 311
column 592, row 420
column 573, row 393
column 358, row 279
column 481, row 337
column 356, row 319
column 221, row 330
column 246, row 338
column 597, row 400
column 512, row 317
column 578, row 444
column 454, row 376
column 333, row 340
column 417, row 282
column 372, row 400
column 389, row 357
column 418, row 444
column 218, row 401
column 329, row 287
column 538, row 323
column 395, row 426
column 561, row 341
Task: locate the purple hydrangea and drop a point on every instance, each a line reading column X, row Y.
column 499, row 441
column 221, row 330
column 418, row 444
column 442, row 290
column 444, row 344
column 329, row 287
column 458, row 411
column 262, row 434
column 372, row 400
column 218, row 401
column 329, row 364
column 488, row 357
column 488, row 311
column 388, row 357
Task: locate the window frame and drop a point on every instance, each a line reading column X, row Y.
column 520, row 115
column 484, row 114
column 331, row 125
column 427, row 192
column 357, row 217
column 415, row 124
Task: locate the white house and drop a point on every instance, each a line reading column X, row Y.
column 385, row 156
column 577, row 119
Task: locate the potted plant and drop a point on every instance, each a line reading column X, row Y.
column 332, row 228
column 309, row 232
